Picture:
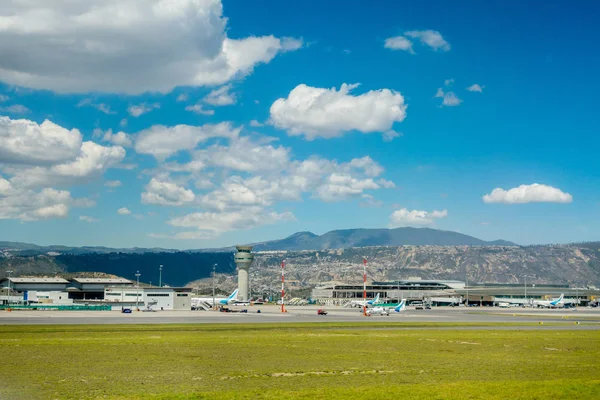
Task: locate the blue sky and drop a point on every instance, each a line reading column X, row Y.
column 191, row 124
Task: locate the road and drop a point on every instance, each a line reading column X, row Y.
column 587, row 318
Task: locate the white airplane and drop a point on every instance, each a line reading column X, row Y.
column 383, row 310
column 377, row 311
column 218, row 300
column 401, row 306
column 362, row 303
column 550, row 303
column 231, row 299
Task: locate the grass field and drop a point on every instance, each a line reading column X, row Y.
column 309, row 361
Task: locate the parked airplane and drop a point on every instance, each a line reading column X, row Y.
column 401, row 306
column 231, row 299
column 362, row 303
column 550, row 303
column 196, row 301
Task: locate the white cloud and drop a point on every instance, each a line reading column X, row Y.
column 88, row 219
column 439, row 93
column 431, row 38
column 25, row 142
column 399, row 43
column 386, row 184
column 119, row 138
column 140, row 109
column 104, row 108
column 15, row 109
column 126, row 46
column 256, row 124
column 123, row 211
column 3, row 98
column 370, row 167
column 243, row 154
column 339, row 187
column 475, row 88
column 449, row 82
column 199, row 109
column 451, row 100
column 390, row 135
column 123, row 123
column 112, row 184
column 166, row 194
column 317, row 112
column 162, row 142
column 91, row 163
column 182, row 97
column 535, row 193
column 221, row 97
column 404, row 217
column 27, row 205
column 208, row 224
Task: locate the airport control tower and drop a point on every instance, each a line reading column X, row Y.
column 243, row 259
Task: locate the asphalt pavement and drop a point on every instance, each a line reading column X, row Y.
column 587, row 318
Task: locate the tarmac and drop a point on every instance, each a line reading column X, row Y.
column 581, row 318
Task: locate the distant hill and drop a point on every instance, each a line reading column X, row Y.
column 343, row 239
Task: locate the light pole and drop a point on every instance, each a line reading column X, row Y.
column 137, row 290
column 213, row 282
column 365, row 286
column 525, row 289
column 282, row 285
column 9, row 288
column 160, row 276
column 467, row 285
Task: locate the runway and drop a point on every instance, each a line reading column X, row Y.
column 587, row 318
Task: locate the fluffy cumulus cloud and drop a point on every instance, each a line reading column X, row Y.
column 318, row 112
column 113, row 45
column 28, row 205
column 475, row 88
column 162, row 142
column 451, row 100
column 243, row 154
column 36, row 157
column 430, row 38
column 119, row 138
column 210, row 224
column 399, row 43
column 26, row 142
column 338, row 187
column 221, row 97
column 123, row 211
column 92, row 161
column 166, row 194
column 405, row 217
column 535, row 193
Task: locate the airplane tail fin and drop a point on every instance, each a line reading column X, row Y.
column 376, row 298
column 400, row 306
column 233, row 295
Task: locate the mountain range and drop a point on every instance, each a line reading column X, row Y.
column 337, row 239
column 346, row 238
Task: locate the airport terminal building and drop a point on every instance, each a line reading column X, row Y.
column 447, row 292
